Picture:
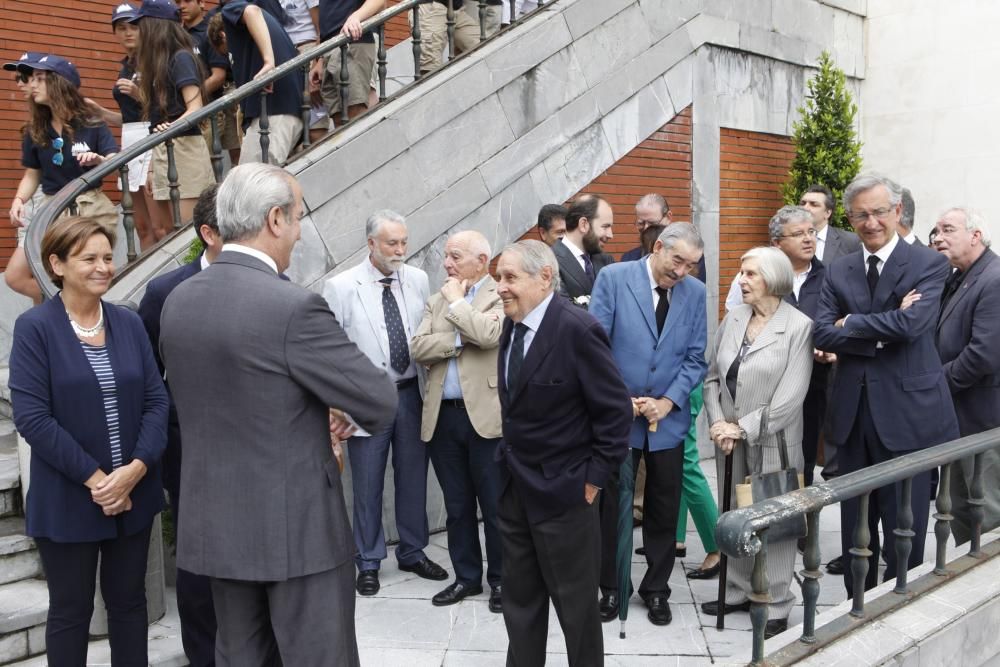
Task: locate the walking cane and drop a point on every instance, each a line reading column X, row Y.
column 727, row 492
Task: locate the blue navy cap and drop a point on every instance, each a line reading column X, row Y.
column 159, row 9
column 124, row 12
column 26, row 58
column 53, row 63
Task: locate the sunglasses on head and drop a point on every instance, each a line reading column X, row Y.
column 57, row 158
column 21, row 77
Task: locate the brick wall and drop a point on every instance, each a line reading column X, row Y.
column 752, row 168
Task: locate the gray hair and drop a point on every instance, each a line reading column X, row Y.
column 867, row 182
column 786, row 215
column 774, row 267
column 247, row 195
column 974, row 221
column 376, row 219
column 654, row 200
column 909, row 210
column 535, row 256
column 680, row 231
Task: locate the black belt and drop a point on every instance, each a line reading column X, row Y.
column 408, row 382
column 454, row 403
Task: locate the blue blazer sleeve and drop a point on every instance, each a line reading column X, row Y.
column 830, row 338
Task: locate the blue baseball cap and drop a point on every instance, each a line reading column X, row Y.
column 158, row 9
column 53, row 63
column 26, row 59
column 124, row 12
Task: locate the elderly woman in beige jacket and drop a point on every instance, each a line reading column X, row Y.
column 756, row 383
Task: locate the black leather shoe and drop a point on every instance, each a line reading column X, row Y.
column 455, row 593
column 706, row 573
column 608, row 607
column 659, row 610
column 496, row 600
column 712, row 608
column 367, row 582
column 775, row 627
column 427, row 569
column 836, row 566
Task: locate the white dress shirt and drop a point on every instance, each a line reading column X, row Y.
column 396, row 288
column 653, row 286
column 799, row 279
column 532, row 320
column 882, row 253
column 820, row 243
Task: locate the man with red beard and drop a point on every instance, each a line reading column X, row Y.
column 580, row 253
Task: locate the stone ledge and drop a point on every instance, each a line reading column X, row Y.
column 23, row 604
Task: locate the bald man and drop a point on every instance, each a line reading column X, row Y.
column 457, row 340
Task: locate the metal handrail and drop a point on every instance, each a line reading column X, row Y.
column 742, row 533
column 118, row 163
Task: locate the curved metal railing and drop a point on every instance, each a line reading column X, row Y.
column 742, row 533
column 66, row 197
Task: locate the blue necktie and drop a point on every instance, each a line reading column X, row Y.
column 588, row 266
column 399, row 348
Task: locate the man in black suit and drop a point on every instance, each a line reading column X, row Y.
column 581, row 253
column 966, row 340
column 194, row 592
column 651, row 209
column 551, row 223
column 887, row 363
column 566, row 417
column 831, row 242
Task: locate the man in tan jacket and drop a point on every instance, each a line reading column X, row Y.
column 457, row 340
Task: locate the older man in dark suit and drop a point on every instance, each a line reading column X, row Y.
column 887, row 362
column 966, row 339
column 580, row 252
column 566, row 417
column 255, row 363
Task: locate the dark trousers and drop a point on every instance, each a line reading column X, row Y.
column 554, row 559
column 305, row 621
column 813, row 417
column 70, row 570
column 410, row 459
column 664, row 478
column 463, row 462
column 863, row 448
column 194, row 605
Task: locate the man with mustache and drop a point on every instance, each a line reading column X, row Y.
column 380, row 303
column 580, row 253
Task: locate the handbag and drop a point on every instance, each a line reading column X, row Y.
column 763, row 485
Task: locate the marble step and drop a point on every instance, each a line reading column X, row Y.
column 18, row 556
column 10, row 471
column 23, row 607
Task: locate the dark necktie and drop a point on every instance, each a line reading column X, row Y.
column 588, row 265
column 662, row 306
column 399, row 349
column 950, row 288
column 872, row 274
column 516, row 358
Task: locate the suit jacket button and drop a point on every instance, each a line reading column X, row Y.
column 653, row 369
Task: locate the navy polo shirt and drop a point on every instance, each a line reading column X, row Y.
column 129, row 106
column 96, row 139
column 246, row 61
column 184, row 71
column 333, row 14
column 209, row 56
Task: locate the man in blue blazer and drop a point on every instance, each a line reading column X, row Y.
column 890, row 395
column 656, row 321
column 194, row 592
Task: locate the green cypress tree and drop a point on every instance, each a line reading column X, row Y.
column 827, row 151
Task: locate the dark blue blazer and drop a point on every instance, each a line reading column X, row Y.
column 571, row 415
column 150, row 308
column 907, row 392
column 59, row 410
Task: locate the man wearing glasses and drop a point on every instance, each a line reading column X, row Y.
column 651, row 209
column 877, row 312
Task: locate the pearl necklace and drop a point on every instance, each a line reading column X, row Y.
column 87, row 332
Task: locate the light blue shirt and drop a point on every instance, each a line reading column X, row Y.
column 452, row 385
column 532, row 320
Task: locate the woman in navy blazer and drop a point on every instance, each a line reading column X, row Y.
column 89, row 400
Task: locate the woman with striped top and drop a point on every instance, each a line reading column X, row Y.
column 89, row 400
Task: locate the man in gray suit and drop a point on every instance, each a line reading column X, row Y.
column 255, row 363
column 580, row 253
column 831, row 242
column 966, row 340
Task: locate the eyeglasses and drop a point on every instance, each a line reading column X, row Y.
column 798, row 236
column 862, row 216
column 57, row 157
column 642, row 224
column 20, row 77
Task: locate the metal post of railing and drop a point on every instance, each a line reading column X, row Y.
column 216, row 148
column 513, row 5
column 943, row 517
column 382, row 61
column 128, row 219
column 759, row 599
column 415, row 36
column 810, row 579
column 173, row 184
column 306, row 107
column 264, row 126
column 977, row 505
column 904, row 534
column 449, row 22
column 73, row 208
column 345, row 84
column 482, row 20
column 861, row 553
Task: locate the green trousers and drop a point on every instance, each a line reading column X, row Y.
column 696, row 495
